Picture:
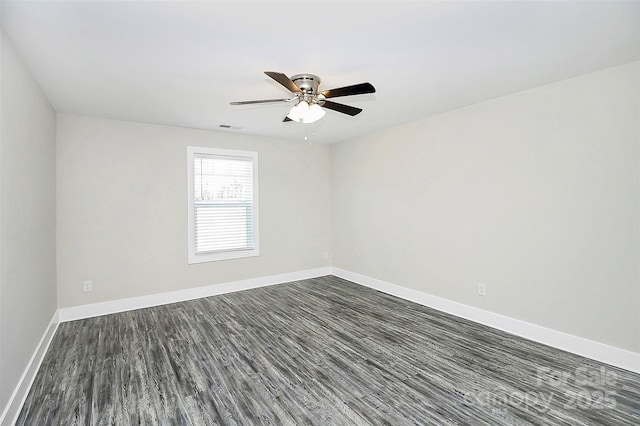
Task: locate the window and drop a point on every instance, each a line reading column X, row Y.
column 223, row 204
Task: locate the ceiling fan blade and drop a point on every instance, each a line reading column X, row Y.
column 356, row 89
column 263, row 101
column 345, row 109
column 284, row 80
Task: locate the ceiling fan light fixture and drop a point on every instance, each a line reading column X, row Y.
column 299, row 111
column 305, row 113
column 315, row 113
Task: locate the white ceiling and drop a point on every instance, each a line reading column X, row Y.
column 181, row 62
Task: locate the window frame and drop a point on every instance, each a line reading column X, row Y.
column 193, row 257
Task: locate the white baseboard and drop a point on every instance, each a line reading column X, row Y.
column 578, row 345
column 557, row 339
column 19, row 395
column 14, row 405
column 114, row 306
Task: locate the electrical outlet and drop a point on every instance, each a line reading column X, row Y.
column 87, row 286
column 326, row 255
column 482, row 289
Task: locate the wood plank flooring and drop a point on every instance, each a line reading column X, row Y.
column 320, row 351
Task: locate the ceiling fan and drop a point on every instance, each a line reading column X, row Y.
column 308, row 101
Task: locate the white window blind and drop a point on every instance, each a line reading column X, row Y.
column 223, row 204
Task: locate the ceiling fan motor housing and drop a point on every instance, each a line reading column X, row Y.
column 308, row 83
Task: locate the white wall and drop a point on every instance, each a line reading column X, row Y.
column 535, row 194
column 27, row 217
column 122, row 209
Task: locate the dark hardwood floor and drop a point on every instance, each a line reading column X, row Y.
column 320, row 351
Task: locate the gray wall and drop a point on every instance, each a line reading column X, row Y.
column 122, row 209
column 534, row 194
column 27, row 217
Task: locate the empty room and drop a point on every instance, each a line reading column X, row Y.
column 320, row 212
